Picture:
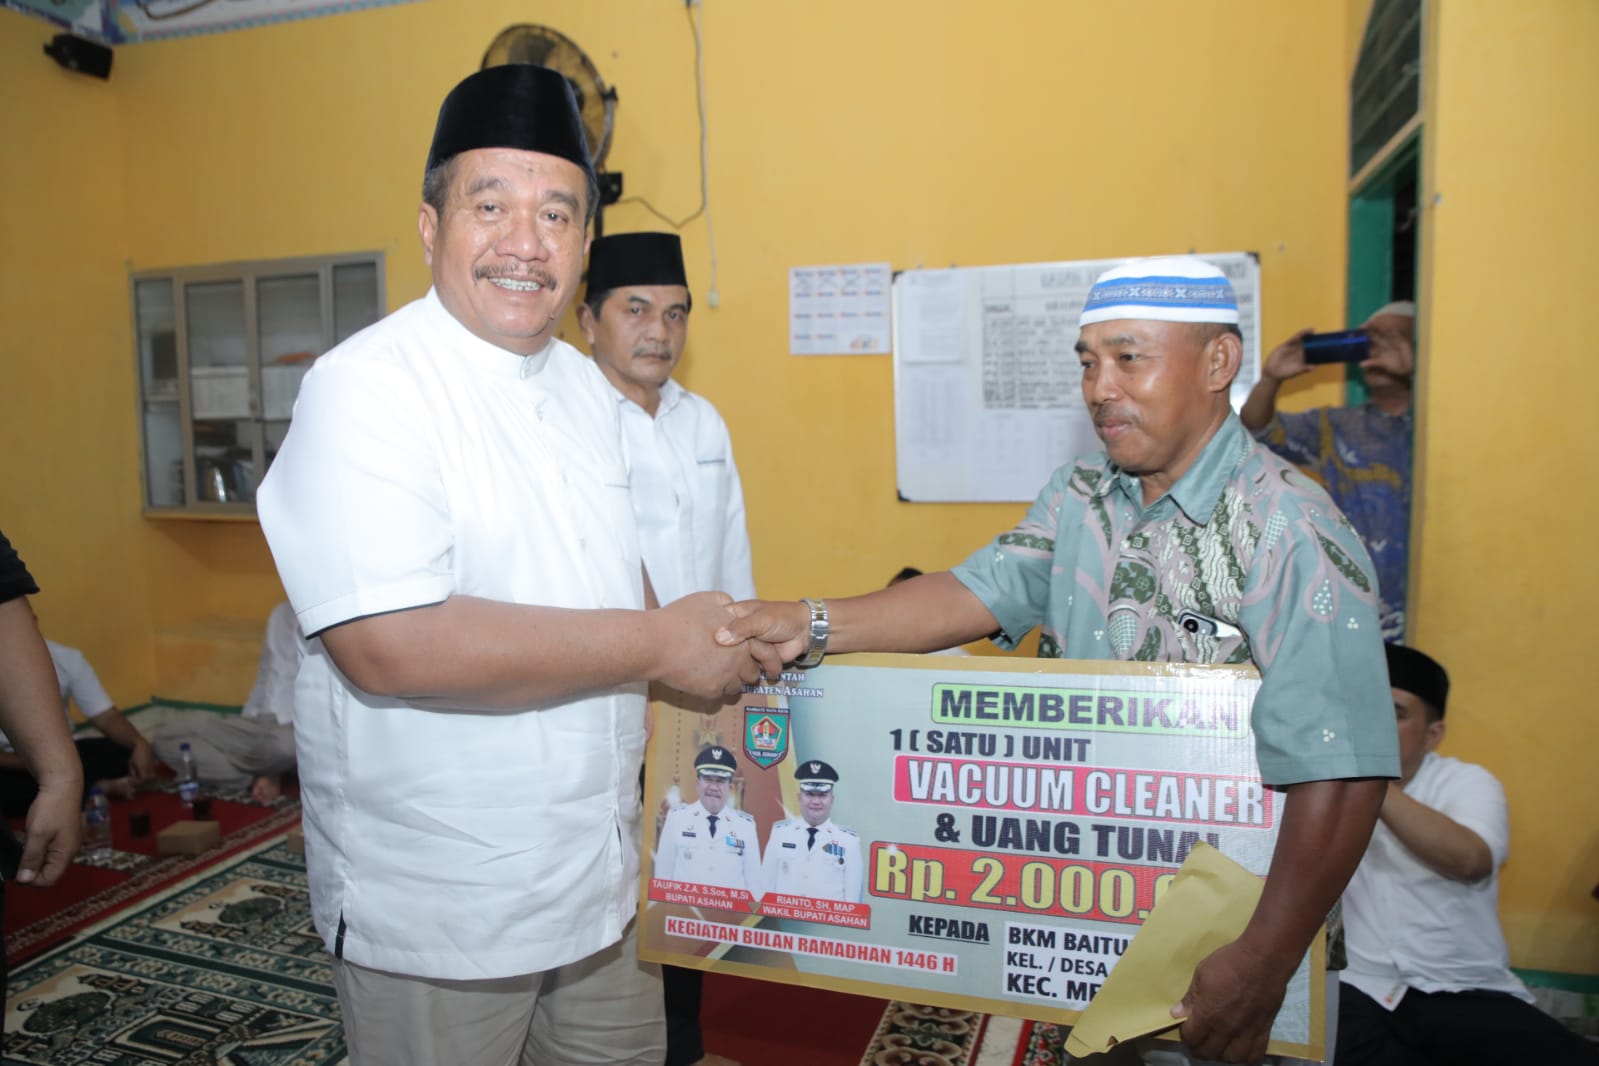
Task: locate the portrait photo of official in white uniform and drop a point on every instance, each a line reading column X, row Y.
column 812, row 855
column 708, row 842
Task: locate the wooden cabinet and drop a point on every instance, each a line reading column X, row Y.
column 221, row 351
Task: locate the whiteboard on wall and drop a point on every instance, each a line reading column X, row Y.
column 987, row 387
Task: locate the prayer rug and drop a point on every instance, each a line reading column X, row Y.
column 90, row 890
column 913, row 1035
column 223, row 968
column 1042, row 1044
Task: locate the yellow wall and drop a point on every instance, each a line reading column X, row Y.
column 884, row 131
column 1505, row 584
column 909, row 131
column 839, row 132
column 69, row 481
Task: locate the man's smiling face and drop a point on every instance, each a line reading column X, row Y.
column 506, row 252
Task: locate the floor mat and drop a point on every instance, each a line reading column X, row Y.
column 222, row 968
column 927, row 1036
column 37, row 919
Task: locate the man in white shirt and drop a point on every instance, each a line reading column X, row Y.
column 685, row 486
column 119, row 760
column 812, row 855
column 1429, row 978
column 255, row 748
column 451, row 519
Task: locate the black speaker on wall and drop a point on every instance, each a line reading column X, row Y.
column 75, row 53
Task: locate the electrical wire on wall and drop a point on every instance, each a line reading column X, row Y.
column 696, row 16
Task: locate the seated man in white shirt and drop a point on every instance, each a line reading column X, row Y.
column 118, row 761
column 1429, row 979
column 255, row 748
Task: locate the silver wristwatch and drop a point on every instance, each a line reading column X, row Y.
column 818, row 644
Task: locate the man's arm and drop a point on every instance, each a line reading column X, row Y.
column 1435, row 838
column 485, row 653
column 926, row 613
column 84, row 688
column 30, row 715
column 1287, row 360
column 123, row 733
column 1237, row 990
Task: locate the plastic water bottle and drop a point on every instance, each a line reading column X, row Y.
column 97, row 825
column 188, row 780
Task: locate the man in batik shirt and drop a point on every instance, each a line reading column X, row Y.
column 1183, row 541
column 1360, row 455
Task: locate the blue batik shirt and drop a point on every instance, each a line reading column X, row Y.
column 1362, row 457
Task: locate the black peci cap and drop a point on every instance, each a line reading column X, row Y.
column 517, row 105
column 624, row 259
column 1419, row 674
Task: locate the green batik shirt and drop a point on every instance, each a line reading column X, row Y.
column 1244, row 540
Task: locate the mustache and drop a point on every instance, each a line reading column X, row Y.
column 649, row 352
column 1103, row 415
column 543, row 277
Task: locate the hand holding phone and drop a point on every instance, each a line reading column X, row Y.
column 1343, row 346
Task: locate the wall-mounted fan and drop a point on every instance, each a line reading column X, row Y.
column 596, row 101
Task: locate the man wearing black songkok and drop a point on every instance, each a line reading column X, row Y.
column 450, row 518
column 1429, row 976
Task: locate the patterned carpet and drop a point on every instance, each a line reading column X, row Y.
column 93, row 889
column 912, row 1035
column 224, row 968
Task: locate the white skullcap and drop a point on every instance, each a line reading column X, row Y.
column 1407, row 308
column 1177, row 288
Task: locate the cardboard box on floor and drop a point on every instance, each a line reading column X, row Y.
column 188, row 838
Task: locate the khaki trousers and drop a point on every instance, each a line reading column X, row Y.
column 605, row 1010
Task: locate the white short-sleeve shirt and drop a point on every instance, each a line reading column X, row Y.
column 424, row 462
column 1408, row 926
column 687, row 496
column 78, row 684
column 272, row 695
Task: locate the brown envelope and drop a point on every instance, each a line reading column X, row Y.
column 1206, row 906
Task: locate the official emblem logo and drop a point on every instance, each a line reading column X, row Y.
column 765, row 735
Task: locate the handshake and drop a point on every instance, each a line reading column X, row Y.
column 710, row 647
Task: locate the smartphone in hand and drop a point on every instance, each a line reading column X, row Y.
column 1344, row 346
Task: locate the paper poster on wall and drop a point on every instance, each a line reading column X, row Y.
column 839, row 310
column 991, row 836
column 987, row 386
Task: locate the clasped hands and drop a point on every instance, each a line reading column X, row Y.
column 713, row 647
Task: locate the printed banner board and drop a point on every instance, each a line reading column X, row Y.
column 997, row 832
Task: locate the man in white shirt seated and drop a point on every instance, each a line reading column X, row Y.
column 118, row 761
column 1429, row 978
column 255, row 748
